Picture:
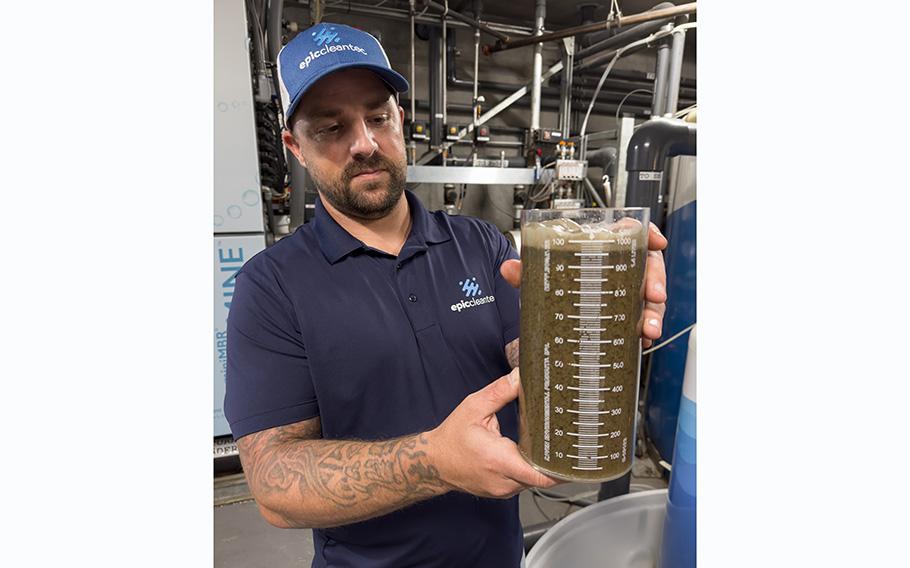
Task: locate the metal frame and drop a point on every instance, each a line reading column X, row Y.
column 626, row 129
column 504, row 104
column 595, row 27
column 475, row 175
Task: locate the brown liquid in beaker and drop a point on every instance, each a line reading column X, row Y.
column 580, row 349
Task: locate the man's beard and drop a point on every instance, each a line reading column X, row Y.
column 370, row 202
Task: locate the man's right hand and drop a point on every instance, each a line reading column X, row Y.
column 472, row 455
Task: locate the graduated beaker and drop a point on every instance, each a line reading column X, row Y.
column 580, row 351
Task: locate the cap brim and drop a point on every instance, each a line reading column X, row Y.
column 392, row 78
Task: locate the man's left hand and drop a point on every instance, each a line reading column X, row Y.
column 655, row 285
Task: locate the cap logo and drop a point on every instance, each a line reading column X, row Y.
column 326, row 35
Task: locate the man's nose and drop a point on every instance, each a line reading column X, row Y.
column 363, row 144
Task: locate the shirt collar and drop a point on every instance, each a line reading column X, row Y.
column 336, row 243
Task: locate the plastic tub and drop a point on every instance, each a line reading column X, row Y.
column 623, row 532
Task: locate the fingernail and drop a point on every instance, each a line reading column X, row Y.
column 513, row 376
column 658, row 286
column 654, row 323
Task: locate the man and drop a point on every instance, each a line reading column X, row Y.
column 362, row 399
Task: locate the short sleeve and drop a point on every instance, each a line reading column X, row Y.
column 507, row 297
column 268, row 381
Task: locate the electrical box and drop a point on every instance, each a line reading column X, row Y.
column 548, row 136
column 482, row 133
column 418, row 131
column 238, row 193
column 571, row 170
column 230, row 254
column 452, row 132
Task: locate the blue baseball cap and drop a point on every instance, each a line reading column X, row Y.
column 325, row 48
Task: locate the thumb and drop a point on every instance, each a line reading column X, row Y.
column 497, row 394
column 511, row 272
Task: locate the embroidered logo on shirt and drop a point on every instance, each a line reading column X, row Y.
column 471, row 289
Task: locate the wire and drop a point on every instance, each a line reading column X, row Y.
column 659, row 345
column 656, row 35
column 536, row 504
column 549, row 496
column 615, row 12
column 619, row 108
column 260, row 33
column 685, row 111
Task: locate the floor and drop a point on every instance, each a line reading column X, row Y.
column 244, row 540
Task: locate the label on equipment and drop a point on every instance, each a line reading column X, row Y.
column 225, row 447
column 650, row 176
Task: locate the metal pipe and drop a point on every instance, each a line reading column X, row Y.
column 628, row 36
column 675, row 72
column 649, row 16
column 588, row 75
column 390, row 13
column 597, row 199
column 276, row 10
column 476, row 62
column 413, row 65
column 565, row 88
column 471, row 22
column 649, row 148
column 478, row 7
column 504, row 104
column 540, row 14
column 445, row 94
column 618, row 87
column 660, row 76
column 436, row 127
column 546, row 103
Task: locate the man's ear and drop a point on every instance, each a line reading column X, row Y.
column 293, row 146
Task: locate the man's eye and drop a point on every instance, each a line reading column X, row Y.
column 329, row 130
column 381, row 119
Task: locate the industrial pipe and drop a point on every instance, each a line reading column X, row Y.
column 390, row 13
column 540, row 14
column 675, row 71
column 659, row 101
column 649, row 148
column 629, row 35
column 276, row 10
column 602, row 157
column 436, row 86
column 478, row 7
column 471, row 22
column 583, row 95
column 413, row 84
column 546, row 103
column 565, row 86
column 445, row 94
column 648, row 16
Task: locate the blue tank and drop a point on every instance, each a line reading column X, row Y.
column 669, row 362
column 678, row 546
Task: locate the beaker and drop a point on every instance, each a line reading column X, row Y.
column 580, row 351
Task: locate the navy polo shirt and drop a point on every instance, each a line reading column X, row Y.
column 379, row 346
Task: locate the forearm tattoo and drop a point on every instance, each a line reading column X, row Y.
column 365, row 478
column 512, row 353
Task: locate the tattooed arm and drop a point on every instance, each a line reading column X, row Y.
column 512, row 353
column 300, row 480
